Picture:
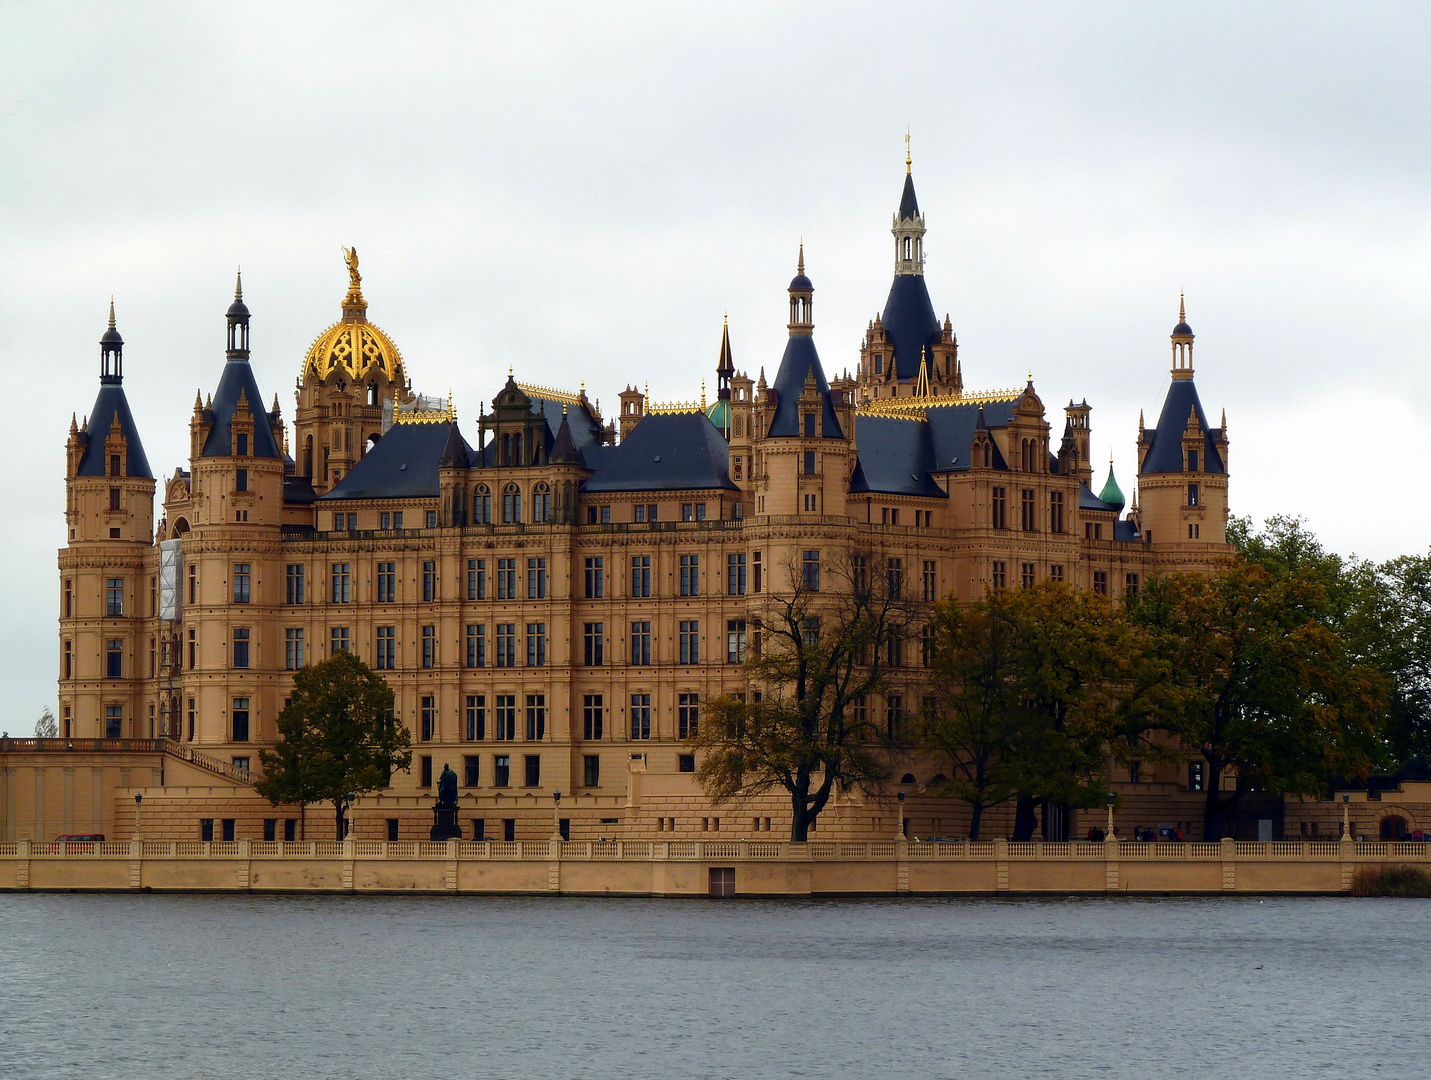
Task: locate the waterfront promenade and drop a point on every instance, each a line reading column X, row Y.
column 701, row 868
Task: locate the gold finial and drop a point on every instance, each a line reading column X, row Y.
column 647, row 394
column 111, row 313
column 703, row 395
column 509, row 371
column 353, row 304
column 908, row 161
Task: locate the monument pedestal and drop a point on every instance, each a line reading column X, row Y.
column 445, row 825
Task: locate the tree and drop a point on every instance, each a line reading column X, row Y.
column 1398, row 624
column 336, row 736
column 1033, row 687
column 45, row 726
column 818, row 655
column 1245, row 669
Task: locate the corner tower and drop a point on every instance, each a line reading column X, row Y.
column 109, row 516
column 1182, row 463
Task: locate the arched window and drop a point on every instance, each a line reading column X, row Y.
column 308, row 457
column 372, row 393
column 511, row 504
column 517, row 448
column 907, row 778
column 987, row 456
column 506, row 448
column 1393, row 828
column 541, row 503
column 482, row 505
column 908, row 248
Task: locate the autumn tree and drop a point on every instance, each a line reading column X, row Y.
column 1246, row 669
column 337, row 736
column 820, row 649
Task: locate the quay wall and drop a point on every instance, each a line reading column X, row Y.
column 700, row 868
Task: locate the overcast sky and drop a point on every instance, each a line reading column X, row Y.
column 582, row 191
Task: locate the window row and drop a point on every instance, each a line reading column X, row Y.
column 1029, row 514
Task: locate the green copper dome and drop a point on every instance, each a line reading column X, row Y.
column 1112, row 494
column 719, row 413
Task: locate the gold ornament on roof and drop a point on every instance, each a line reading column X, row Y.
column 353, row 347
column 917, row 408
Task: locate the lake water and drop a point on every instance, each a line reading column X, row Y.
column 309, row 987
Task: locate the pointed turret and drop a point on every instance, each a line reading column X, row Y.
column 564, row 446
column 238, row 387
column 908, row 322
column 111, row 407
column 800, row 362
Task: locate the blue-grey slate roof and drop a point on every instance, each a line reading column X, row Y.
column 238, row 379
column 1166, row 453
column 1126, row 532
column 1089, row 501
column 799, row 360
column 110, row 403
column 910, row 324
column 896, row 456
column 908, row 204
column 403, row 465
column 664, row 452
column 952, row 430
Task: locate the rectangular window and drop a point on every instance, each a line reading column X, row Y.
column 475, row 718
column 1192, row 495
column 593, row 644
column 926, row 645
column 687, row 763
column 810, row 570
column 69, row 598
column 206, row 829
column 114, row 597
column 1000, row 574
column 427, row 714
column 755, row 582
column 929, row 581
column 114, row 721
column 894, row 576
column 240, row 648
column 735, row 575
column 640, row 716
column 595, row 586
column 536, row 717
column 735, row 641
column 591, row 771
column 429, row 647
column 241, row 450
column 809, row 463
column 270, row 829
column 506, row 717
column 193, row 648
column 591, row 716
column 894, row 715
column 387, row 648
column 1055, row 512
column 506, row 579
column 639, row 514
column 640, row 575
column 1028, row 515
column 1100, row 582
column 511, row 505
column 69, row 667
column 340, row 583
column 431, row 519
column 1026, row 575
column 1055, row 572
column 641, row 642
column 293, row 648
column 471, row 768
column 114, row 659
column 397, row 519
column 1192, row 461
column 690, row 575
column 228, row 829
column 476, row 579
column 194, row 584
column 240, row 719
column 429, row 580
column 687, row 715
column 690, row 642
column 425, row 772
column 385, row 520
column 894, row 649
column 1130, row 584
column 240, row 479
column 700, row 511
column 536, row 579
column 337, row 640
column 501, row 771
column 242, row 586
column 533, row 763
column 506, row 645
column 536, row 644
column 114, row 498
column 1195, row 774
column 387, row 583
column 997, row 505
column 294, row 574
column 688, row 512
column 482, row 507
column 476, row 645
column 809, row 420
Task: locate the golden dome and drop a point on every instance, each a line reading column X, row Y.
column 353, row 346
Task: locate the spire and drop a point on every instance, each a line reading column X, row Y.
column 921, row 383
column 802, row 291
column 111, row 313
column 800, row 267
column 907, row 159
column 237, row 317
column 1182, row 339
column 111, row 353
column 238, row 284
column 725, row 368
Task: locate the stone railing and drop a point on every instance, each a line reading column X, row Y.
column 184, row 752
column 86, row 746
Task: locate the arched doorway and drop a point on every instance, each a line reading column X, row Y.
column 1393, row 827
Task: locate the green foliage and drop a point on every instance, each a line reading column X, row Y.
column 821, row 653
column 336, row 737
column 1033, row 685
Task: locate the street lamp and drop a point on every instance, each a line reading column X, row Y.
column 138, row 828
column 1346, row 826
column 899, row 835
column 556, row 815
column 1112, row 798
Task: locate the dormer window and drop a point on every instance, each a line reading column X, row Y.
column 809, row 425
column 1192, row 495
column 879, row 363
column 242, row 448
column 1192, row 461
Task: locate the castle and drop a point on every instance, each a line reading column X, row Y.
column 553, row 594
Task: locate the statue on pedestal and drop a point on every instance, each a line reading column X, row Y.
column 445, row 825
